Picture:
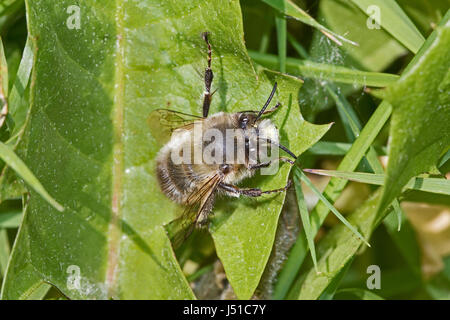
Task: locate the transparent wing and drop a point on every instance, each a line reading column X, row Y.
column 199, row 202
column 163, row 122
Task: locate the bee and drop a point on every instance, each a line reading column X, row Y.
column 195, row 185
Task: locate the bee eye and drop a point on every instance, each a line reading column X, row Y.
column 243, row 122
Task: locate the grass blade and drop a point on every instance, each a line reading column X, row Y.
column 433, row 185
column 304, row 214
column 330, row 148
column 326, row 72
column 280, row 23
column 288, row 8
column 305, row 179
column 5, row 251
column 394, row 21
column 12, row 160
column 10, row 219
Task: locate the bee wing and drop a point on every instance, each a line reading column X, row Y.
column 164, row 121
column 199, row 202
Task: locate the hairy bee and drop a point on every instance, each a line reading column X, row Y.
column 194, row 184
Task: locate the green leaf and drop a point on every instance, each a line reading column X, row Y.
column 10, row 219
column 12, row 160
column 244, row 230
column 280, row 23
column 406, row 241
column 289, row 8
column 419, row 127
column 327, row 72
column 88, row 141
column 18, row 103
column 394, row 21
column 10, row 11
column 10, row 185
column 434, row 185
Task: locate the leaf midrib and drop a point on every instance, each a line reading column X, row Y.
column 117, row 161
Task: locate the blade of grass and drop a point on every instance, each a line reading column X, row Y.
column 3, row 85
column 330, row 148
column 197, row 274
column 10, row 219
column 12, row 160
column 330, row 291
column 433, row 185
column 300, row 175
column 280, row 23
column 5, row 251
column 288, row 8
column 326, row 72
column 18, row 107
column 395, row 21
column 444, row 159
column 304, row 215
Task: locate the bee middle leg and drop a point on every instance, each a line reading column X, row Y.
column 268, row 163
column 251, row 192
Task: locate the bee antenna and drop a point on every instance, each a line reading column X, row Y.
column 279, row 145
column 267, row 102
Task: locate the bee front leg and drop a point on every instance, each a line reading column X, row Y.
column 207, row 95
column 267, row 164
column 251, row 192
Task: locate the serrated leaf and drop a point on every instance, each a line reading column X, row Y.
column 421, row 113
column 88, row 142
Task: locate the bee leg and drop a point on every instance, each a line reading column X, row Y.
column 272, row 109
column 251, row 192
column 288, row 184
column 207, row 96
column 267, row 164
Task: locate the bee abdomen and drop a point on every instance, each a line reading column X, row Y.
column 175, row 180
